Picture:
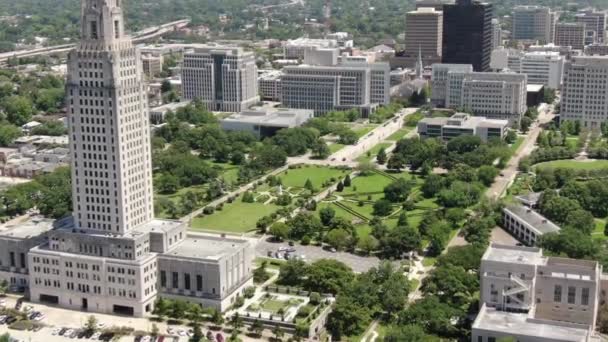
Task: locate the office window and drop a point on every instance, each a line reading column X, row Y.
column 571, row 294
column 585, row 296
column 22, row 259
column 163, row 279
column 12, row 255
column 199, row 283
column 175, row 281
column 557, row 293
column 187, row 281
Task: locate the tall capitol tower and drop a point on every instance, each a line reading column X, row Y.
column 109, row 128
column 112, row 255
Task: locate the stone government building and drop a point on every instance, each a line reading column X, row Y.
column 112, row 255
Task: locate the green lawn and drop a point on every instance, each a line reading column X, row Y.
column 516, row 144
column 372, row 183
column 573, row 164
column 598, row 232
column 373, row 152
column 317, row 175
column 236, row 217
column 333, row 148
column 362, row 131
column 400, row 134
column 273, row 305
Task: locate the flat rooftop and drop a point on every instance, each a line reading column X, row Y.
column 32, row 227
column 206, row 247
column 514, row 255
column 519, row 324
column 534, row 88
column 531, row 217
column 156, row 226
column 282, row 117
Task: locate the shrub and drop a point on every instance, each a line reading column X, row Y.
column 305, row 240
column 239, row 302
column 305, row 311
column 315, row 298
column 208, row 210
column 249, row 292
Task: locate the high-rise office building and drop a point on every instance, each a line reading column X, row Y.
column 495, row 95
column 467, row 34
column 112, row 256
column 595, row 24
column 496, row 34
column 584, row 90
column 424, row 34
column 533, row 23
column 570, row 34
column 224, row 79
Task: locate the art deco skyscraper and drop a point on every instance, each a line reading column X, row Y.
column 109, row 129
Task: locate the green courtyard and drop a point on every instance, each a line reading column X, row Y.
column 356, row 202
column 241, row 216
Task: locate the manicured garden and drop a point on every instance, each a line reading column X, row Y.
column 241, row 214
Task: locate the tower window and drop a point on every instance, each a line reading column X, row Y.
column 116, row 29
column 93, row 30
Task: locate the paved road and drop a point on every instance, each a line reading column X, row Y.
column 501, row 183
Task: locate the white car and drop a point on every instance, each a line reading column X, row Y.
column 170, row 331
column 182, row 333
column 96, row 336
column 146, row 339
column 69, row 333
column 55, row 331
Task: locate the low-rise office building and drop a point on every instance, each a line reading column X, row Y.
column 462, row 124
column 529, row 297
column 525, row 224
column 265, row 122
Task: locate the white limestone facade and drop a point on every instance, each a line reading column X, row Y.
column 224, row 79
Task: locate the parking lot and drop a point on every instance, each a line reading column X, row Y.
column 61, row 325
column 313, row 253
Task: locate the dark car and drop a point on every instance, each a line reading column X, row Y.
column 62, row 331
column 10, row 320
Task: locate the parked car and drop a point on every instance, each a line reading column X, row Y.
column 62, row 331
column 96, row 336
column 55, row 331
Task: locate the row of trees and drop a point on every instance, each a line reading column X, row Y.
column 425, row 154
